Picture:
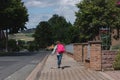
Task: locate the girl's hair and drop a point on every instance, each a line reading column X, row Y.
column 57, row 42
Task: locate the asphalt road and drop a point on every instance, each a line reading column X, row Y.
column 19, row 67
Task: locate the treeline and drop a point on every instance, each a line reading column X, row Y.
column 56, row 28
column 92, row 15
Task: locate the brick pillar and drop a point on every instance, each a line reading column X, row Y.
column 95, row 55
column 85, row 52
column 77, row 52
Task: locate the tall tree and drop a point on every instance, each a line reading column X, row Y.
column 94, row 14
column 13, row 16
column 59, row 28
column 73, row 34
column 43, row 34
column 20, row 18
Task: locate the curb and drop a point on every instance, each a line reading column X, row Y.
column 35, row 74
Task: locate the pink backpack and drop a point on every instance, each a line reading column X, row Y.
column 60, row 48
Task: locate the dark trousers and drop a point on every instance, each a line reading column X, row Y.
column 59, row 58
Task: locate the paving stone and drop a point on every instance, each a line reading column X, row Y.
column 72, row 70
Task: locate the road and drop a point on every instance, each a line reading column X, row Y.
column 19, row 67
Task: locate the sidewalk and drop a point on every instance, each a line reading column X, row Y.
column 72, row 71
column 114, row 74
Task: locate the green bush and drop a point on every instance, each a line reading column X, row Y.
column 32, row 46
column 2, row 44
column 21, row 44
column 6, row 53
column 116, row 64
column 12, row 46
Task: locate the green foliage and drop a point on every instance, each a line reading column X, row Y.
column 56, row 28
column 12, row 46
column 116, row 64
column 13, row 15
column 73, row 34
column 29, row 34
column 60, row 28
column 106, row 41
column 94, row 14
column 43, row 34
column 32, row 46
column 2, row 44
column 21, row 44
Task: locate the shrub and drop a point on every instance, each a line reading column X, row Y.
column 12, row 46
column 32, row 46
column 116, row 64
column 2, row 44
column 21, row 44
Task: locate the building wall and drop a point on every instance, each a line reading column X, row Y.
column 115, row 41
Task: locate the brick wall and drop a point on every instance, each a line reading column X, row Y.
column 108, row 58
column 78, row 55
column 95, row 55
column 92, row 60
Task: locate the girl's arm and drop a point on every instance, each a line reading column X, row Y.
column 54, row 50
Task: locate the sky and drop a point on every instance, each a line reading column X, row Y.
column 43, row 10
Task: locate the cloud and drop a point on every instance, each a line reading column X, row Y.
column 68, row 9
column 35, row 19
column 35, row 3
column 47, row 3
column 69, row 2
column 41, row 3
column 42, row 10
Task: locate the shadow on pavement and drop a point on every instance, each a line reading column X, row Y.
column 63, row 67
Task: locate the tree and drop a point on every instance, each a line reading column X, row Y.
column 73, row 34
column 43, row 34
column 13, row 16
column 59, row 28
column 94, row 14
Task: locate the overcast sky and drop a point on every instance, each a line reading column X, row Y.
column 42, row 10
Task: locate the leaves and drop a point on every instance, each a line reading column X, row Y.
column 94, row 14
column 43, row 34
column 59, row 27
column 13, row 15
column 116, row 64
